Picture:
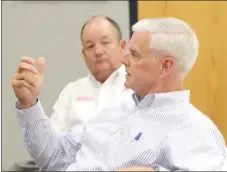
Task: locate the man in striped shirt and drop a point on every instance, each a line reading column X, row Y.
column 156, row 129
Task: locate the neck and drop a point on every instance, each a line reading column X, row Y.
column 164, row 86
column 104, row 75
column 102, row 78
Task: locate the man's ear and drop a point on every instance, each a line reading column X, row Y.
column 167, row 65
column 123, row 46
column 84, row 55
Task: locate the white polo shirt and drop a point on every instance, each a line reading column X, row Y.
column 81, row 100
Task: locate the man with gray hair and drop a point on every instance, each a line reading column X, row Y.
column 159, row 129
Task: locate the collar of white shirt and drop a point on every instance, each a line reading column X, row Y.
column 164, row 98
column 119, row 73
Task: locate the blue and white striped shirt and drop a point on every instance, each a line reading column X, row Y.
column 162, row 130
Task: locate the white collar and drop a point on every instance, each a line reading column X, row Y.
column 159, row 99
column 120, row 72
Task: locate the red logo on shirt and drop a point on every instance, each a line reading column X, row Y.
column 85, row 98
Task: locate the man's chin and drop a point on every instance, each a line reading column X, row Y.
column 102, row 66
column 105, row 70
column 102, row 73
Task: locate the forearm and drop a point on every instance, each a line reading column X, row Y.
column 50, row 150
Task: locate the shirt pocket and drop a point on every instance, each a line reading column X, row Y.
column 131, row 148
column 136, row 138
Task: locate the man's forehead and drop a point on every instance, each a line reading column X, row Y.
column 101, row 38
column 99, row 29
column 140, row 38
column 141, row 35
column 100, row 24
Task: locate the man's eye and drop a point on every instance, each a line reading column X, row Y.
column 135, row 57
column 105, row 42
column 90, row 46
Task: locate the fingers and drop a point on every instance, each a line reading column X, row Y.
column 27, row 77
column 20, row 84
column 27, row 66
column 28, row 60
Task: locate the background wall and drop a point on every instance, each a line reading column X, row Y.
column 52, row 30
column 207, row 80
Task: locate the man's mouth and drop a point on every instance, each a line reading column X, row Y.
column 101, row 61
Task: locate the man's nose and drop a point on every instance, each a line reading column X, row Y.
column 127, row 55
column 99, row 50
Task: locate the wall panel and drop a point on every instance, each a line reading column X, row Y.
column 208, row 78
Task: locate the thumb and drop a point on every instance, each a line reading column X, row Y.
column 40, row 65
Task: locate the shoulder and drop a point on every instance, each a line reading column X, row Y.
column 75, row 88
column 188, row 113
column 75, row 85
column 198, row 124
column 78, row 83
column 199, row 118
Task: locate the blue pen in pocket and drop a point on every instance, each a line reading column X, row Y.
column 138, row 136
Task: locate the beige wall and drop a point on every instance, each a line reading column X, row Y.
column 52, row 30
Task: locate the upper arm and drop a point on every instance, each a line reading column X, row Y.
column 196, row 147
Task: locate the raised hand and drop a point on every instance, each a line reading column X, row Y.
column 28, row 80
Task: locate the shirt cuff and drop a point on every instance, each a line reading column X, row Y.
column 32, row 114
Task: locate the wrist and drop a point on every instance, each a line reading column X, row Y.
column 28, row 105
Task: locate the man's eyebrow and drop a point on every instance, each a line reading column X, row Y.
column 88, row 42
column 104, row 37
